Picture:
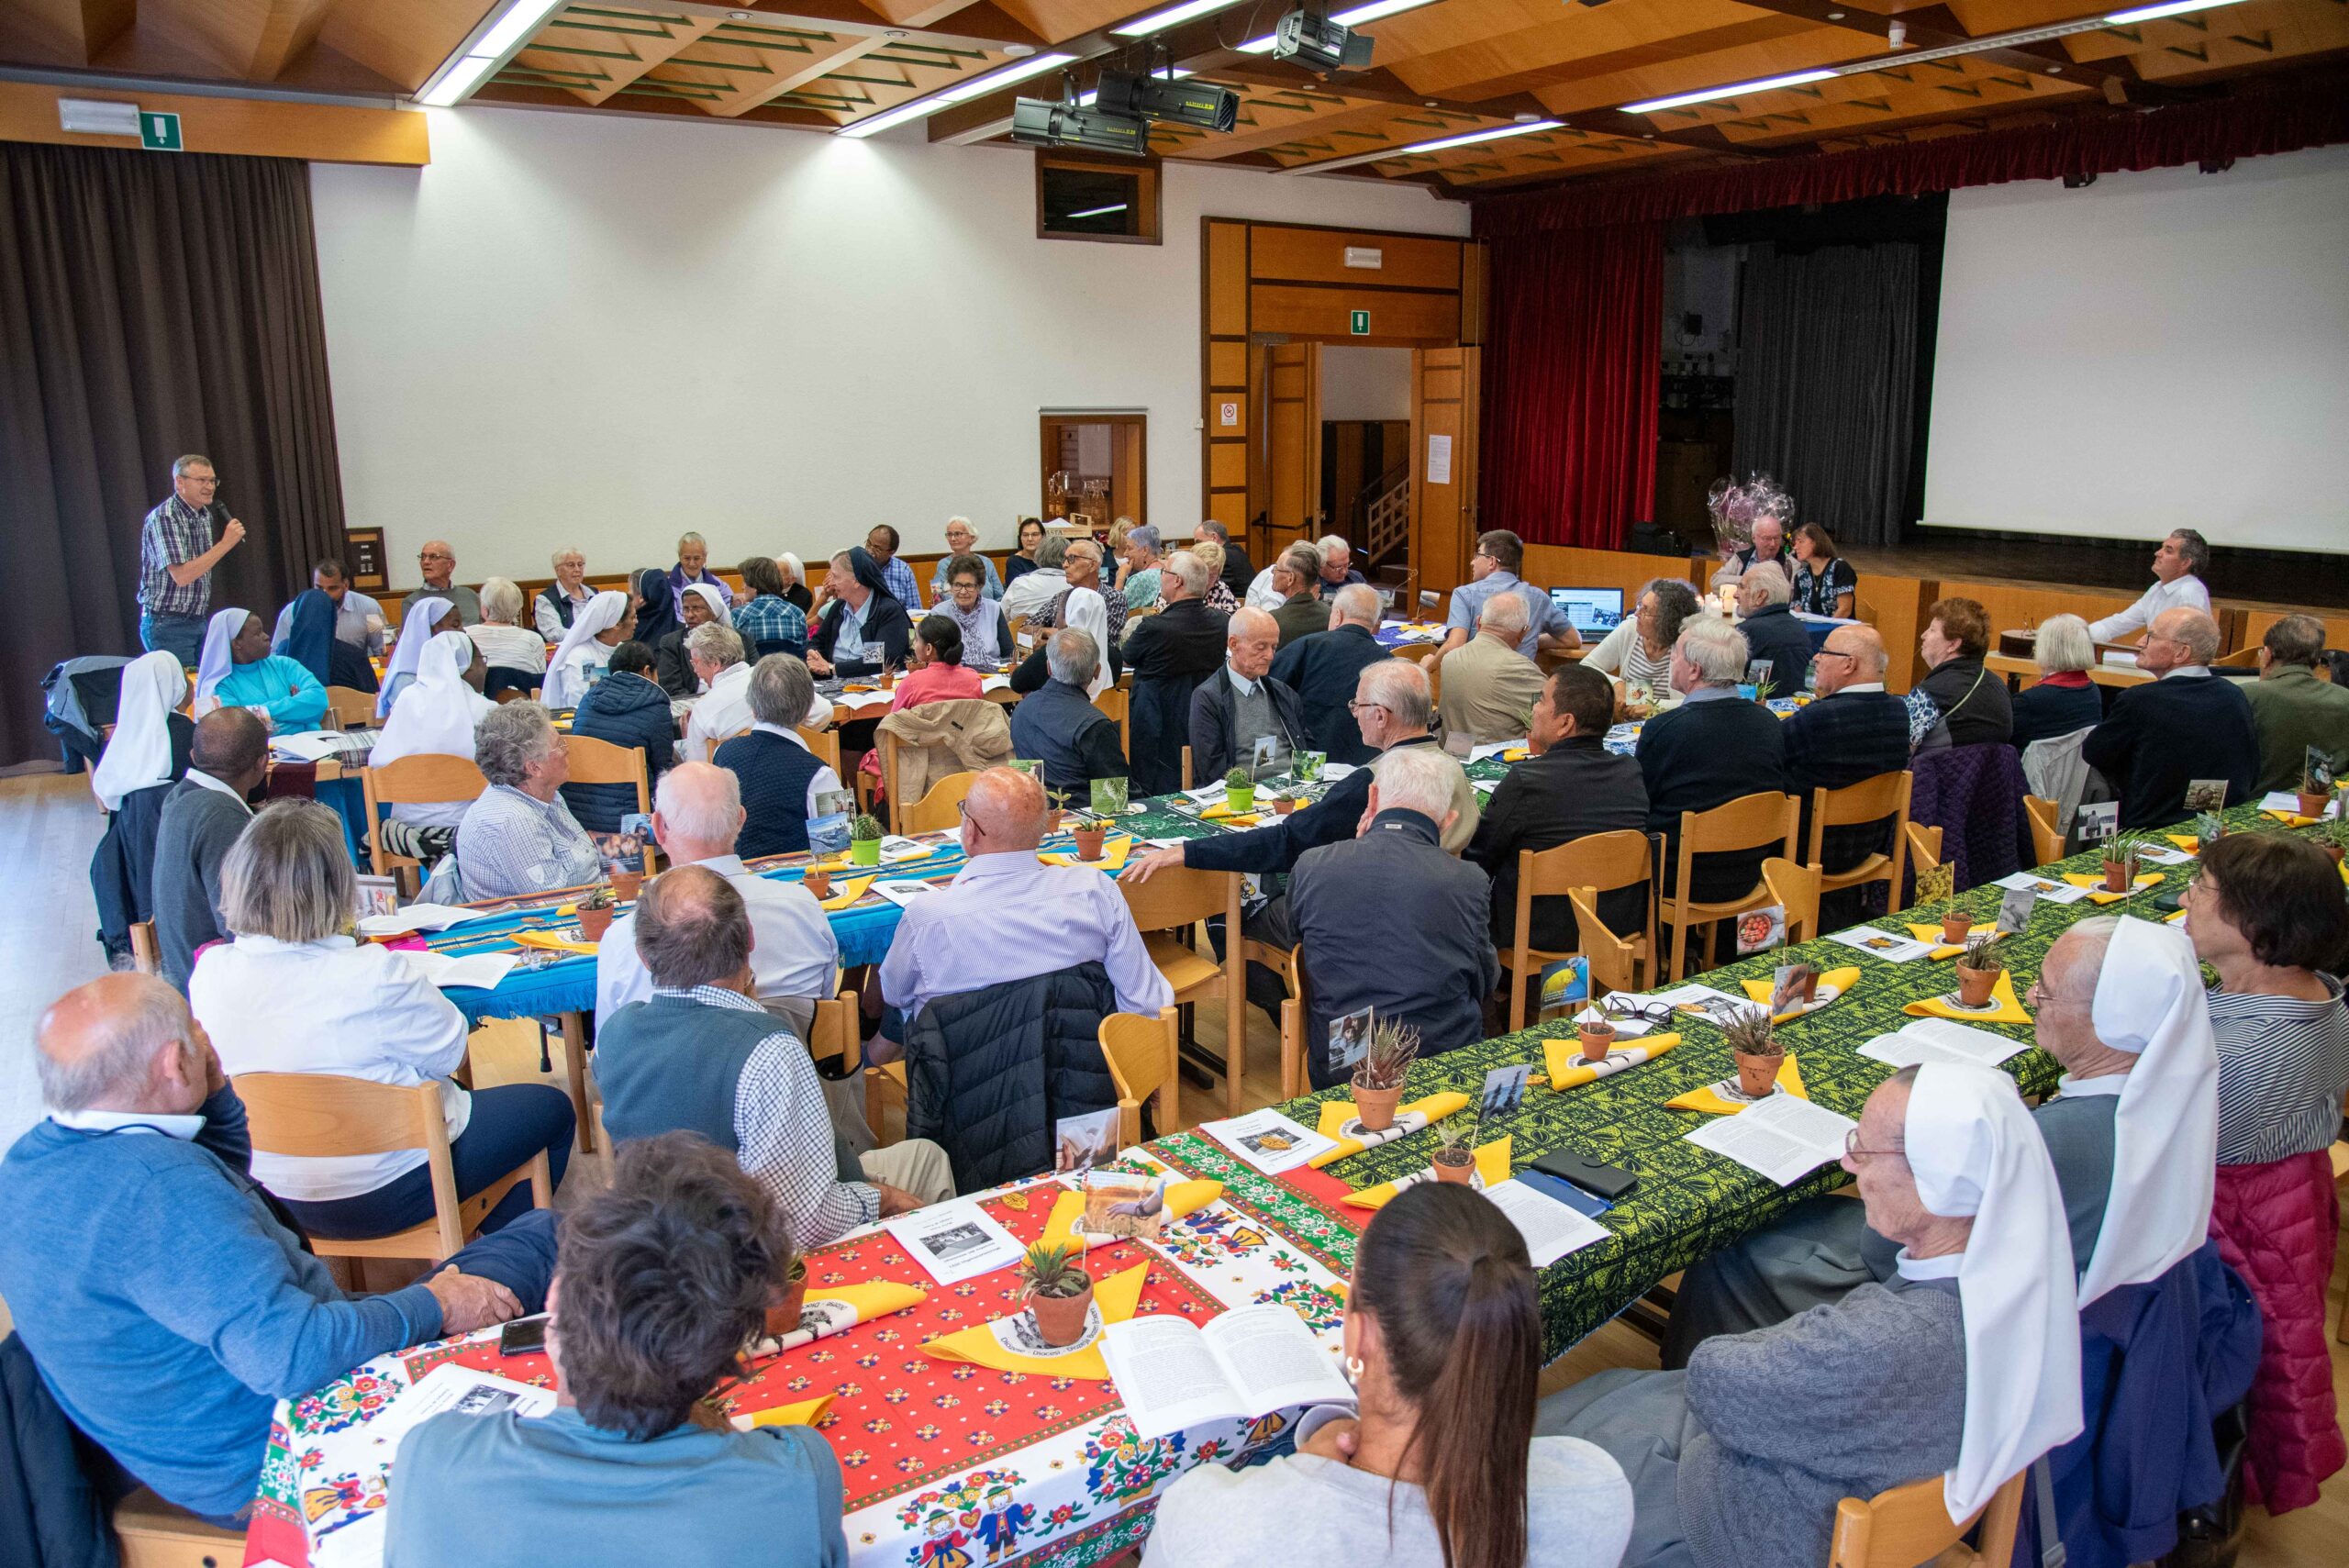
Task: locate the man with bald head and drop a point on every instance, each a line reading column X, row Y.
column 165, row 1298
column 202, row 817
column 1007, row 916
column 438, row 563
column 2189, row 723
column 1321, row 670
column 1232, row 711
column 1490, row 688
column 1854, row 731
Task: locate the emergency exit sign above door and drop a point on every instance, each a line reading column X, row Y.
column 1361, row 324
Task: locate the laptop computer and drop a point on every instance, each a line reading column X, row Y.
column 1595, row 612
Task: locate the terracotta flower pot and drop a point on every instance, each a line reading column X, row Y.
column 594, row 923
column 783, row 1317
column 1597, row 1040
column 818, row 882
column 2313, row 805
column 1283, row 806
column 1376, row 1106
column 1756, row 1074
column 1809, row 986
column 627, row 884
column 1060, row 1319
column 1454, row 1165
column 2116, row 877
column 1089, row 841
column 1956, row 926
column 2333, row 849
column 1974, row 986
column 864, row 851
column 1052, row 819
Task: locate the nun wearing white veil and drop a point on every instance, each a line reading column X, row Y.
column 1086, row 610
column 586, row 646
column 1965, row 1364
column 436, row 717
column 420, row 624
column 150, row 741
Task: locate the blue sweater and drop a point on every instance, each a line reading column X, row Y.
column 165, row 1306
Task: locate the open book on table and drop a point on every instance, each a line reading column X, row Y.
column 1253, row 1360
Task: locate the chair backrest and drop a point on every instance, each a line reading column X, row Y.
column 602, row 761
column 1909, row 1524
column 349, row 707
column 2046, row 829
column 1141, row 1051
column 426, row 779
column 145, row 955
column 1614, row 961
column 1795, row 889
column 1186, row 767
column 320, row 1115
column 825, row 743
column 1924, row 847
column 2241, row 659
column 1749, row 822
column 1115, row 702
column 1596, row 862
column 1178, row 896
column 833, row 1031
column 941, row 808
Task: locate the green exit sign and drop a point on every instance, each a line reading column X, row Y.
column 1361, row 324
column 158, row 132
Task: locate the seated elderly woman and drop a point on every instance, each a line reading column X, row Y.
column 767, row 619
column 608, row 620
column 237, row 669
column 435, row 718
column 518, row 837
column 700, row 604
column 2267, row 914
column 1824, row 583
column 515, row 654
column 2062, row 700
column 1640, row 647
column 1219, row 596
column 986, row 636
column 1968, row 1357
column 963, row 541
column 290, row 992
column 1436, row 1464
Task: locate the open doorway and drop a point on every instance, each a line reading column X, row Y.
column 1366, row 451
column 1093, row 467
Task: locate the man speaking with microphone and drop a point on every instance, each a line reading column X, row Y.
column 176, row 555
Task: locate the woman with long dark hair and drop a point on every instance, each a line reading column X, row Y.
column 1438, row 1466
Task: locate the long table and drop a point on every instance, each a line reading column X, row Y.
column 930, row 1449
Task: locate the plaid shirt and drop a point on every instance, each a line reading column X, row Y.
column 769, row 618
column 898, row 578
column 175, row 534
column 783, row 1133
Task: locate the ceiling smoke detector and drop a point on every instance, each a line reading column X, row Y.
column 1896, row 33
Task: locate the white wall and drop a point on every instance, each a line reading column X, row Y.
column 578, row 328
column 2158, row 351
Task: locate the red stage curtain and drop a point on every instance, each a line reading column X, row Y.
column 2279, row 121
column 1574, row 348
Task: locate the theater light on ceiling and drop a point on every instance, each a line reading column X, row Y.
column 1377, row 10
column 987, row 82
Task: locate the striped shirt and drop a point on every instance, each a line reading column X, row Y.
column 175, row 534
column 2282, row 1067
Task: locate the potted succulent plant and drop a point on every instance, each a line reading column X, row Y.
column 1956, row 925
column 782, row 1314
column 1378, row 1076
column 2314, row 795
column 627, row 884
column 2121, row 863
column 1598, row 1037
column 1978, row 968
column 1283, row 805
column 595, row 913
column 1059, row 1291
column 1453, row 1161
column 1058, row 797
column 1089, row 836
column 865, row 840
column 1759, row 1052
column 2208, row 829
column 1240, row 790
column 818, row 880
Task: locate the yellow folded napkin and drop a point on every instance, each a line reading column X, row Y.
column 833, row 1309
column 908, row 856
column 1567, row 1070
column 846, row 893
column 2291, row 818
column 1113, row 856
column 555, row 940
column 1516, row 754
column 2003, row 1009
column 1409, row 1120
column 1115, row 1298
column 1492, row 1165
column 1068, row 1210
column 2093, row 879
column 1711, row 1102
column 1942, row 949
column 1221, row 812
column 2173, row 916
column 2187, row 841
column 1841, row 979
column 805, row 1413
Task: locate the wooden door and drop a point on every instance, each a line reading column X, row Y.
column 1293, row 444
column 1444, row 384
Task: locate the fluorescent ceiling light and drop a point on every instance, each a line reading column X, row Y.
column 1159, row 21
column 922, row 108
column 460, row 81
column 1099, row 211
column 509, row 32
column 1736, row 90
column 1354, row 18
column 514, row 27
column 1467, row 138
column 2175, row 8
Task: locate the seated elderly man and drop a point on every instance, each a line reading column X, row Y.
column 1764, row 603
column 1390, row 922
column 1321, row 669
column 1058, row 727
column 165, row 1301
column 701, row 1055
column 1232, row 713
column 1008, row 916
column 1855, row 731
column 1296, row 607
column 2290, row 708
column 517, row 836
column 664, row 1276
column 2158, row 737
column 1338, row 569
column 780, row 776
column 1712, row 749
column 724, row 707
column 2133, row 1134
column 1963, row 1361
column 697, row 819
column 1490, row 688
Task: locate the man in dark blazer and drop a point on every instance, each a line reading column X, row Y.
column 202, row 816
column 1321, row 670
column 1570, row 788
column 1854, row 731
column 1241, row 703
column 1169, row 654
column 1712, row 749
column 1763, row 598
column 2185, row 724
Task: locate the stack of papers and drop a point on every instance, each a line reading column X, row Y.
column 1783, row 1138
column 1939, row 1039
column 2050, row 892
column 954, row 1241
column 1885, row 945
column 316, row 745
column 1551, row 1228
column 419, row 917
column 1268, row 1140
column 2284, row 800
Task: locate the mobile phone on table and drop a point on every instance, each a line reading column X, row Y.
column 1610, row 1182
column 522, row 1336
column 1573, row 1196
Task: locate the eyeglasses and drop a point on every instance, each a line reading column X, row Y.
column 2037, row 996
column 1853, row 1150
column 1358, row 706
column 1832, row 654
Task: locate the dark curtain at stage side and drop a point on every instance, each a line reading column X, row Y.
column 1827, row 382
column 150, row 304
column 1574, row 351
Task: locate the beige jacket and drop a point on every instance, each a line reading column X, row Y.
column 941, row 738
column 1489, row 690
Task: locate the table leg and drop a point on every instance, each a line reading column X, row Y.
column 1235, row 1001
column 575, row 1067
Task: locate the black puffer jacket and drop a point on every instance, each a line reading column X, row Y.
column 626, row 710
column 988, row 1071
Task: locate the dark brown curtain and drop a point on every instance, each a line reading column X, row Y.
column 150, row 304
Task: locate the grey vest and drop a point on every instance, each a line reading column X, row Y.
column 671, row 1065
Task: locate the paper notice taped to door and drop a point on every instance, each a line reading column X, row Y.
column 1439, row 459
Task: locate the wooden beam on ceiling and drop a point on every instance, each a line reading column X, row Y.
column 288, row 28
column 799, row 71
column 64, row 32
column 1935, row 27
column 934, row 21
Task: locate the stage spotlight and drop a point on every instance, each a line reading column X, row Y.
column 1158, row 98
column 1043, row 122
column 1319, row 44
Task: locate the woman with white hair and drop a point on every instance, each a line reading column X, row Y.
column 2062, row 699
column 795, row 580
column 962, row 540
column 692, row 567
column 518, row 837
column 606, row 623
column 509, row 649
column 293, row 992
column 561, row 600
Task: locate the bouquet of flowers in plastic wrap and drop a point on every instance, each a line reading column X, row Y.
column 1735, row 506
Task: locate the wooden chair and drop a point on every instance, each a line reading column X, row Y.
column 1289, row 965
column 1924, row 847
column 825, row 743
column 1169, row 905
column 349, row 707
column 312, row 1115
column 941, row 808
column 423, row 780
column 1749, row 822
column 1114, row 702
column 2046, row 833
column 156, row 1534
column 600, row 762
column 1795, row 889
column 1870, row 800
column 145, row 956
column 1142, row 1057
column 1910, row 1524
column 2241, row 659
column 1186, row 767
column 1599, row 863
column 1615, row 963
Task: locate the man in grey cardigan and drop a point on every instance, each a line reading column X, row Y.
column 1965, row 1364
column 202, row 817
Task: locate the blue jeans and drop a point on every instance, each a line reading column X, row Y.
column 508, row 1125
column 182, row 635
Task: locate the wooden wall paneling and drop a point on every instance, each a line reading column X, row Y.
column 2256, row 618
column 1472, row 293
column 1293, row 454
column 1224, row 374
column 1281, row 254
column 1260, row 439
column 1129, row 470
column 320, row 133
column 1895, row 608
column 1571, row 566
column 1399, row 318
column 1443, row 517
